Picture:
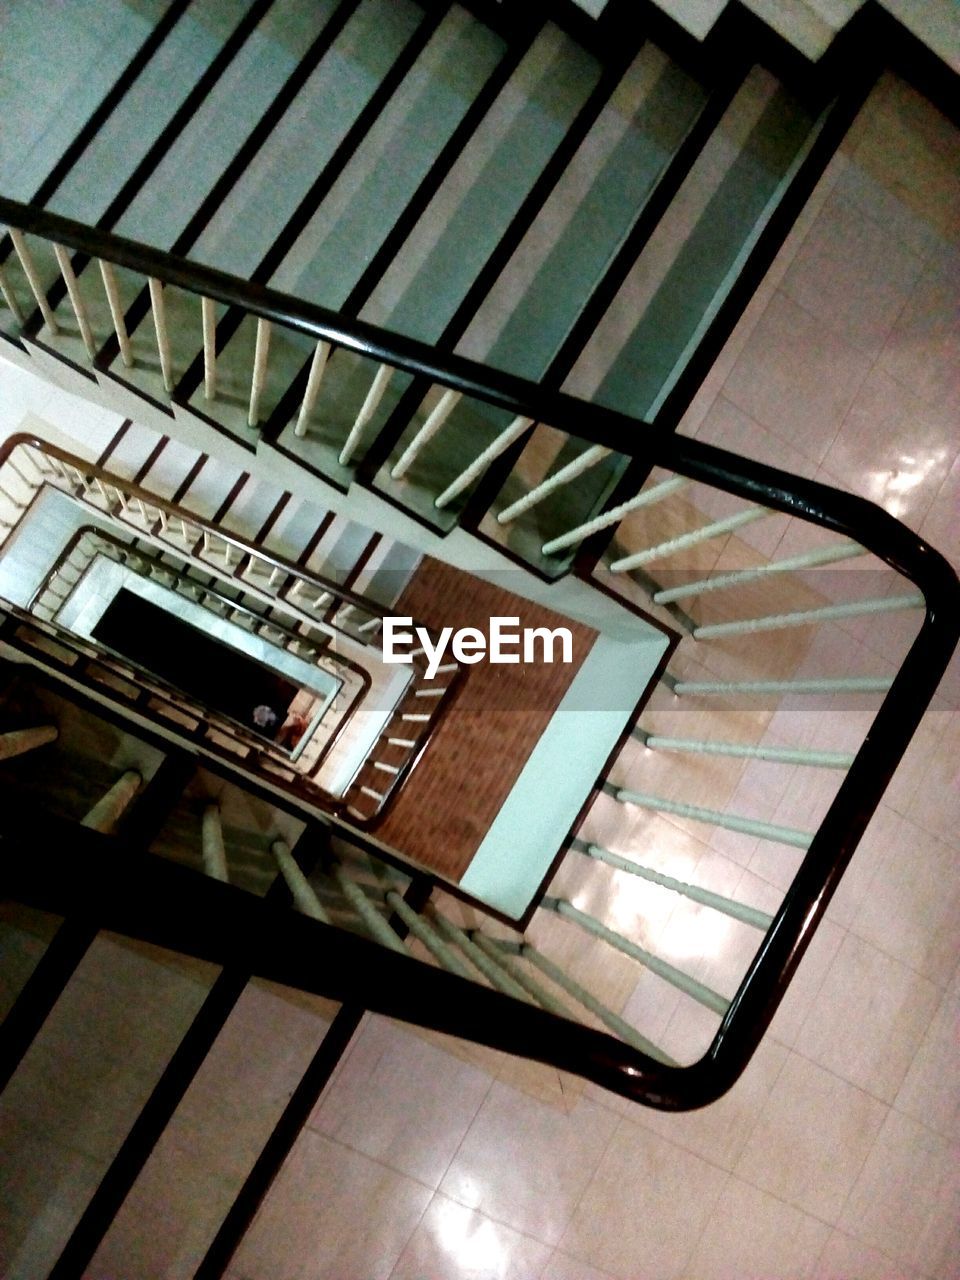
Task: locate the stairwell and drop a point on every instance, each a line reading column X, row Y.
column 586, row 222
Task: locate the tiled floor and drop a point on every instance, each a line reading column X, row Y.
column 837, row 1156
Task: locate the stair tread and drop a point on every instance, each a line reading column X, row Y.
column 253, row 215
column 685, row 266
column 334, row 248
column 69, row 66
column 192, row 165
column 145, row 109
column 465, row 220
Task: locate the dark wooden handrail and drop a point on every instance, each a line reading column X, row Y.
column 484, row 1015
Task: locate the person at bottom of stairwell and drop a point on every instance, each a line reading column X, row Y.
column 286, row 735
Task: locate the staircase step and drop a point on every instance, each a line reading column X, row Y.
column 339, row 550
column 70, row 66
column 146, row 109
column 229, row 113
column 386, row 574
column 347, row 229
column 291, row 534
column 602, row 193
column 691, row 259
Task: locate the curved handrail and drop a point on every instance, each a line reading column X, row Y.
column 591, row 1053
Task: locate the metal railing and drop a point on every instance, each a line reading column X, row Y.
column 498, row 1018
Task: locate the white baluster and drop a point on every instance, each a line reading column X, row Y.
column 112, row 291
column 208, row 317
column 367, row 410
column 17, row 741
column 645, row 499
column 806, row 617
column 589, row 458
column 476, row 468
column 261, row 351
column 690, row 986
column 163, row 338
column 107, row 811
column 214, row 854
column 315, row 377
column 691, row 539
column 300, row 887
column 33, row 279
column 76, row 300
column 435, row 420
column 809, row 560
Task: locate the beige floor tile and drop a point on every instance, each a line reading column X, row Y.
column 869, row 1018
column 909, row 150
column 331, row 1213
column 941, row 527
column 805, row 985
column 844, row 1258
column 719, row 1132
column 912, row 911
column 753, row 1236
column 936, row 805
column 923, row 349
column 796, row 377
column 525, row 1164
column 906, row 1201
column 811, row 1139
column 729, row 427
column 931, row 1091
column 858, row 877
column 562, row 1267
column 378, row 1104
column 645, row 1208
column 894, row 448
column 852, row 275
column 453, row 1241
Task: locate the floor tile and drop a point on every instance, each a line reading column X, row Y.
column 931, row 1091
column 331, row 1213
column 912, row 910
column 719, row 1132
column 906, row 1201
column 844, row 1258
column 923, row 349
column 753, row 1236
column 453, row 1242
column 894, row 448
column 645, row 1208
column 562, row 1267
column 526, row 1164
column 403, row 1101
column 869, row 1018
column 852, row 274
column 797, row 378
column 812, row 1138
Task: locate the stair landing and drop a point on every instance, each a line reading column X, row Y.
column 516, row 757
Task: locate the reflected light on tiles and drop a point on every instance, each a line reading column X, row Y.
column 695, row 932
column 474, row 1248
column 890, row 488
